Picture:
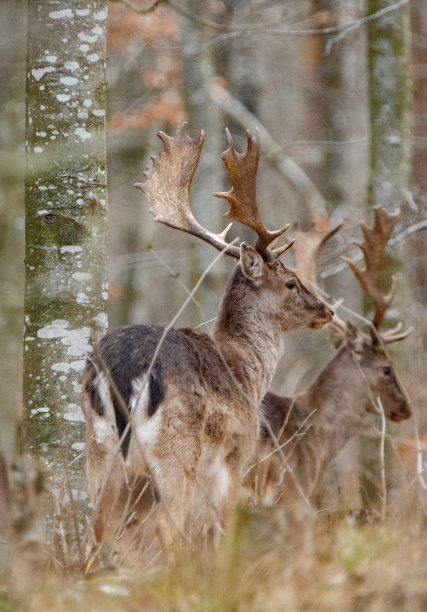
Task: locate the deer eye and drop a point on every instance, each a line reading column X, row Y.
column 291, row 284
column 387, row 370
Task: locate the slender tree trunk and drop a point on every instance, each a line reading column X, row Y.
column 390, row 97
column 66, row 206
column 12, row 84
column 197, row 72
column 390, row 108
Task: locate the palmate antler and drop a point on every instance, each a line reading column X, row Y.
column 168, row 189
column 307, row 248
column 373, row 247
column 242, row 169
column 306, row 251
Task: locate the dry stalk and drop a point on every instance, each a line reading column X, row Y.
column 382, row 460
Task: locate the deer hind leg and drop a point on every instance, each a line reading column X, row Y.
column 107, row 478
column 172, row 453
column 173, row 527
column 104, row 463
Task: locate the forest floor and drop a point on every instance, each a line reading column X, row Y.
column 269, row 560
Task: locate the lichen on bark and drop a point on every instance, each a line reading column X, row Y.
column 66, row 207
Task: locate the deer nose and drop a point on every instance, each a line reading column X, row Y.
column 331, row 312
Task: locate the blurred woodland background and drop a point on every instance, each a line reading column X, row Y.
column 310, row 75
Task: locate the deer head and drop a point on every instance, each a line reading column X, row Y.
column 279, row 291
column 368, row 350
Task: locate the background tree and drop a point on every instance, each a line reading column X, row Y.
column 12, row 137
column 66, row 206
column 390, row 96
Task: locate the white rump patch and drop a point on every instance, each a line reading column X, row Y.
column 146, row 428
column 104, row 426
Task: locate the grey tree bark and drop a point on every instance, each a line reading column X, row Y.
column 197, row 64
column 66, row 207
column 390, row 97
column 12, row 36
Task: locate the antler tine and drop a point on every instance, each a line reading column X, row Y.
column 393, row 335
column 168, row 187
column 242, row 169
column 373, row 248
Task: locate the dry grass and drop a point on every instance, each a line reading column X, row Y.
column 269, row 559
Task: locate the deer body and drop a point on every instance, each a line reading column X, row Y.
column 318, row 422
column 190, row 402
column 322, row 419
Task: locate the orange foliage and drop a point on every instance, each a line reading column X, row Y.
column 168, row 108
column 123, row 24
column 165, row 74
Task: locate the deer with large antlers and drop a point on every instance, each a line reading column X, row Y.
column 301, row 435
column 185, row 405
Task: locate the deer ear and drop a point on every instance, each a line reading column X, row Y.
column 251, row 262
column 354, row 338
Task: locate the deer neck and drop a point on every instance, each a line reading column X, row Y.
column 339, row 394
column 247, row 337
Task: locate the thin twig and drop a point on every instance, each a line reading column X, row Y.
column 276, row 449
column 382, row 460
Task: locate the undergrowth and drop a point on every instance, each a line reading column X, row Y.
column 270, row 559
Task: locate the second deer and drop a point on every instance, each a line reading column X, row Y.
column 315, row 425
column 185, row 405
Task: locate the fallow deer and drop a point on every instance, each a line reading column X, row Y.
column 315, row 425
column 183, row 404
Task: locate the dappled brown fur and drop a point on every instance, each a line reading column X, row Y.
column 335, row 406
column 195, row 445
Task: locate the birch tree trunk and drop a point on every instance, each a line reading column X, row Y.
column 66, row 206
column 390, row 97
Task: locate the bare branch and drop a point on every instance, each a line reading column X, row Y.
column 382, row 460
column 139, row 9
